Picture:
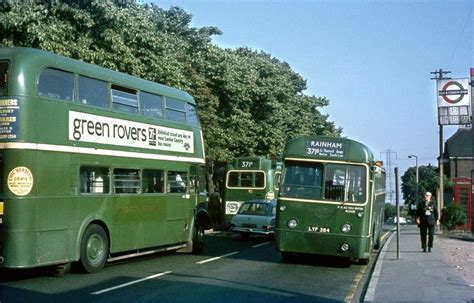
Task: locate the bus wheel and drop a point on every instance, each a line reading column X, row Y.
column 198, row 238
column 94, row 248
column 378, row 242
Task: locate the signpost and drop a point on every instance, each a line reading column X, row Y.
column 453, row 109
column 453, row 101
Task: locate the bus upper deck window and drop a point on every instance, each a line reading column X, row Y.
column 175, row 110
column 124, row 99
column 192, row 115
column 93, row 92
column 3, row 78
column 56, row 84
column 151, row 105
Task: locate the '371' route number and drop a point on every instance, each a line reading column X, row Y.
column 247, row 164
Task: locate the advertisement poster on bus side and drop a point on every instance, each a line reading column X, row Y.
column 9, row 119
column 85, row 127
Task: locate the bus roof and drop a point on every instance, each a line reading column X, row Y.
column 328, row 148
column 32, row 61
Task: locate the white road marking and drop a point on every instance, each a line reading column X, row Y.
column 217, row 258
column 131, row 283
column 261, row 244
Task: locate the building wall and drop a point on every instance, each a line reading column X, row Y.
column 460, row 167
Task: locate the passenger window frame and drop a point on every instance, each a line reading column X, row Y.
column 107, row 96
column 88, row 182
column 50, row 94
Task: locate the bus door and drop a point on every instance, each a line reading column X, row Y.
column 178, row 204
column 152, row 227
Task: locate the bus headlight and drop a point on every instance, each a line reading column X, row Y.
column 345, row 228
column 292, row 223
column 270, row 195
column 282, row 207
column 345, row 247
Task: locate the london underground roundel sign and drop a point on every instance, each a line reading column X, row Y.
column 453, row 92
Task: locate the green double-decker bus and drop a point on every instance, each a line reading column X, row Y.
column 95, row 165
column 331, row 199
column 247, row 178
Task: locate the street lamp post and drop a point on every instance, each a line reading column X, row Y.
column 416, row 189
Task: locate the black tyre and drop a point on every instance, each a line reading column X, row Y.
column 94, row 249
column 198, row 238
column 378, row 242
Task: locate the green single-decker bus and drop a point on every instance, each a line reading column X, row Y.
column 247, row 178
column 331, row 199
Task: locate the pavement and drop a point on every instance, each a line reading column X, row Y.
column 403, row 273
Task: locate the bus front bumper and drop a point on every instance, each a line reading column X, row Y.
column 322, row 244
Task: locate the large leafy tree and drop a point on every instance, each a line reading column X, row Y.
column 248, row 101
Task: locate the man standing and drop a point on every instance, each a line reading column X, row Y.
column 426, row 218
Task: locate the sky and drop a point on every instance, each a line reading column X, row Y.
column 371, row 59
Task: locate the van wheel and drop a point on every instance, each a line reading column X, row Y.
column 198, row 238
column 94, row 249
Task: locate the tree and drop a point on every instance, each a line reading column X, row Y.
column 428, row 181
column 390, row 211
column 249, row 103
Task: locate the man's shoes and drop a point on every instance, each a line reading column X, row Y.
column 424, row 249
column 429, row 249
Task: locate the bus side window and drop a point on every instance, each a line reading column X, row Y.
column 177, row 182
column 56, row 84
column 175, row 110
column 124, row 99
column 126, row 181
column 277, row 180
column 153, row 181
column 94, row 180
column 192, row 115
column 151, row 105
column 93, row 92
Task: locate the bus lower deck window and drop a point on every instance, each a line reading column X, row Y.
column 126, row 181
column 94, row 180
column 177, row 182
column 153, row 181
